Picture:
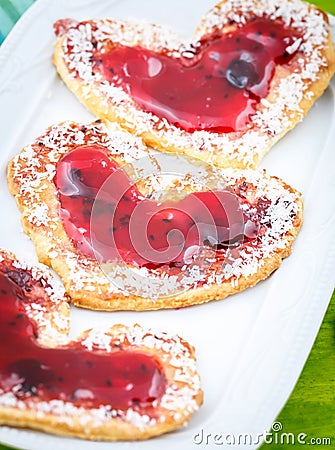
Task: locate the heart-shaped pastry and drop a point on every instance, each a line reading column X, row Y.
column 251, row 73
column 138, row 236
column 124, row 383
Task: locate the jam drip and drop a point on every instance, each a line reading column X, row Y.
column 107, row 217
column 215, row 86
column 69, row 373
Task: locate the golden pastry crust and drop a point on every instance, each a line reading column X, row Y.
column 293, row 90
column 230, row 270
column 182, row 396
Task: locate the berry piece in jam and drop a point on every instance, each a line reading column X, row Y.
column 70, row 373
column 120, row 224
column 241, row 73
column 215, row 87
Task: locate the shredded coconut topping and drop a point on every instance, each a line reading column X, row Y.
column 53, row 324
column 87, row 276
column 183, row 383
column 271, row 119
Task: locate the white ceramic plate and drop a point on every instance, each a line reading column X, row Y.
column 251, row 348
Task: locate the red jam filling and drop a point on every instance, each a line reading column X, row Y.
column 215, row 87
column 69, row 373
column 120, row 223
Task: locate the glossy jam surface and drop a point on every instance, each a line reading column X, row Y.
column 70, row 373
column 216, row 87
column 121, row 223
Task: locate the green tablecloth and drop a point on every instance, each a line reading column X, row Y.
column 311, row 407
